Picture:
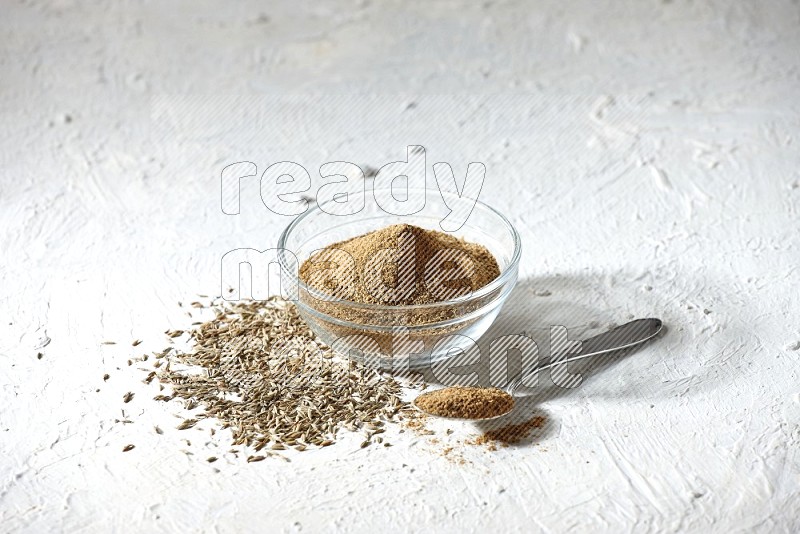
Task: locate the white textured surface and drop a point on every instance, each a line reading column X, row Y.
column 647, row 152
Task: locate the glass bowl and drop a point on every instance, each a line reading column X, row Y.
column 390, row 337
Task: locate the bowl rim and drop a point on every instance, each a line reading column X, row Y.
column 505, row 275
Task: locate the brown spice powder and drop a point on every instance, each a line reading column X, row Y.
column 401, row 264
column 396, row 266
column 466, row 402
column 510, row 434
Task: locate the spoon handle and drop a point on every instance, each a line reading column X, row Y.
column 622, row 337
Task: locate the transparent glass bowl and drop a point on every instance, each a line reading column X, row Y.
column 409, row 336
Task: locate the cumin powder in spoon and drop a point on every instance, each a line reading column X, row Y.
column 466, row 402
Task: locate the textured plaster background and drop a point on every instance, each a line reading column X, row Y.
column 647, row 151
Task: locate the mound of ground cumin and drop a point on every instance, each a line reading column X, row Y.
column 398, row 265
column 466, row 402
column 510, row 434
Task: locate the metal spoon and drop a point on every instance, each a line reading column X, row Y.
column 622, row 337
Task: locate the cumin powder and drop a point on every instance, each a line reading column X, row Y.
column 365, row 284
column 466, row 402
column 510, row 434
column 400, row 265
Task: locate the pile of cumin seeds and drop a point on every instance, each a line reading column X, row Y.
column 259, row 370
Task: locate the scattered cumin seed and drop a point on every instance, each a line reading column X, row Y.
column 127, row 448
column 211, row 459
column 106, row 377
column 188, row 423
column 128, row 397
column 136, row 343
column 238, row 372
